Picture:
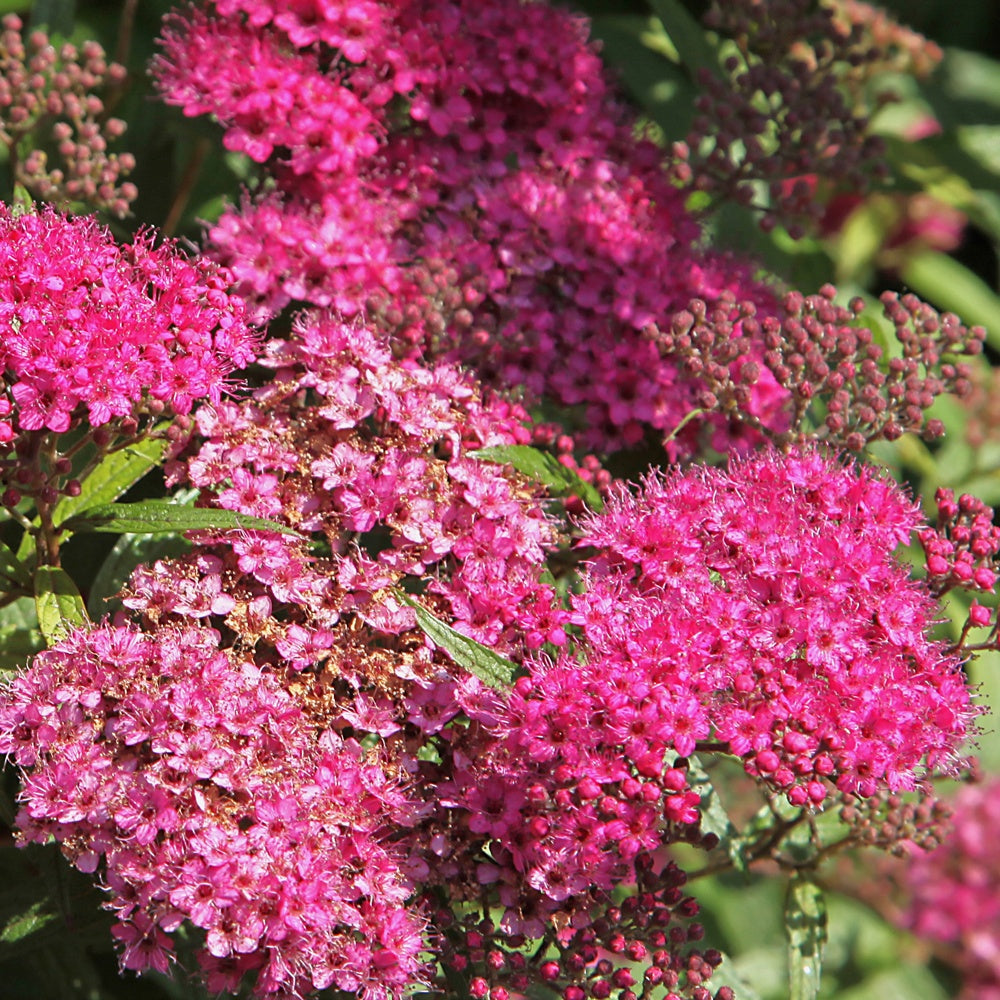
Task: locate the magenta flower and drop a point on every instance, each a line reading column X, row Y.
column 763, row 607
column 97, row 332
column 952, row 891
column 209, row 794
column 475, row 194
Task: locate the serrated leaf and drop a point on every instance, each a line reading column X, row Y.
column 481, row 661
column 543, row 468
column 116, row 474
column 805, row 927
column 714, row 818
column 24, row 924
column 688, row 36
column 58, row 603
column 150, row 517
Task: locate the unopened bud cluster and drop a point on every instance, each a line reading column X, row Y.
column 895, row 823
column 962, row 549
column 892, row 47
column 815, row 350
column 50, row 114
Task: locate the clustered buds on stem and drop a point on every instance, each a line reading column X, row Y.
column 834, row 380
column 49, row 110
column 892, row 823
column 961, row 551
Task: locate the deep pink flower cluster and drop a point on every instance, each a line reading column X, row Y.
column 201, row 787
column 763, row 609
column 437, row 169
column 580, row 784
column 952, row 890
column 94, row 332
column 278, row 757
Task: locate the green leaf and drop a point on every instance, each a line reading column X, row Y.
column 728, row 974
column 490, row 667
column 688, row 36
column 150, row 517
column 648, row 63
column 13, row 569
column 116, row 474
column 899, row 983
column 18, row 645
column 21, row 203
column 714, row 818
column 952, row 286
column 543, row 468
column 805, row 927
column 23, row 924
column 55, row 15
column 45, row 904
column 58, row 603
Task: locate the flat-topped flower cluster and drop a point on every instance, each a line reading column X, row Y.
column 92, row 331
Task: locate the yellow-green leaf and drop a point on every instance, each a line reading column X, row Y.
column 805, row 927
column 58, row 603
column 490, row 667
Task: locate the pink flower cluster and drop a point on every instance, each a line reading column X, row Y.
column 474, row 192
column 94, row 332
column 762, row 608
column 201, row 785
column 276, row 756
column 376, row 459
column 952, row 889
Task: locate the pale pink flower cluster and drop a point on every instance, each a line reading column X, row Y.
column 199, row 786
column 377, row 459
